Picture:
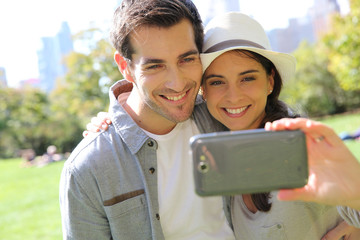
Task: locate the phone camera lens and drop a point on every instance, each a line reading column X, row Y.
column 203, row 167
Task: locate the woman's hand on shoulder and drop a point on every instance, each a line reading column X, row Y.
column 98, row 123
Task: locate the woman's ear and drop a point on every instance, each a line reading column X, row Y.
column 271, row 82
column 202, row 92
column 123, row 66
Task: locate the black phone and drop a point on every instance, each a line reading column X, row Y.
column 250, row 161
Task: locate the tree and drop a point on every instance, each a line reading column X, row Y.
column 313, row 89
column 24, row 120
column 343, row 45
column 35, row 120
column 83, row 91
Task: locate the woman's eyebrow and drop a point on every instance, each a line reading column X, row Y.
column 212, row 76
column 248, row 71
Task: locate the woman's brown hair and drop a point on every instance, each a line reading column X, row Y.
column 274, row 109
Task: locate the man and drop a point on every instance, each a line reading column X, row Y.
column 135, row 180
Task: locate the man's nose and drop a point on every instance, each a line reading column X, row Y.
column 175, row 79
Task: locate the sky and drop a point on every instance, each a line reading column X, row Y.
column 24, row 22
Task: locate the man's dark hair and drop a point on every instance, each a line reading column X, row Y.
column 161, row 13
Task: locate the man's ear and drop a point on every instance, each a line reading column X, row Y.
column 123, row 66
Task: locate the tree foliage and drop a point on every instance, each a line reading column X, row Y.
column 85, row 87
column 344, row 48
column 23, row 121
column 327, row 79
column 31, row 119
column 314, row 90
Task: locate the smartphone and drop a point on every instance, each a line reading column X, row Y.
column 250, row 161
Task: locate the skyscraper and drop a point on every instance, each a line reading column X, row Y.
column 215, row 7
column 3, row 82
column 51, row 55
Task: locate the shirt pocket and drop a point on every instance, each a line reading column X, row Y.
column 129, row 219
column 275, row 231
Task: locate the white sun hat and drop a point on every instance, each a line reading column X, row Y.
column 235, row 30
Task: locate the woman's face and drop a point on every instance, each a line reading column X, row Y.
column 236, row 87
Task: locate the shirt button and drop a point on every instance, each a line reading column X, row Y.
column 157, row 216
column 151, row 170
column 150, row 143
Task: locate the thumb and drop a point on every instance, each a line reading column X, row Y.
column 337, row 232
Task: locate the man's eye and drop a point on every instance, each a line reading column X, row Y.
column 152, row 67
column 189, row 59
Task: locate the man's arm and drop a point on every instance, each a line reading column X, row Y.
column 81, row 218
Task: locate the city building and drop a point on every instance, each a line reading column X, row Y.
column 216, row 7
column 288, row 39
column 321, row 13
column 310, row 28
column 3, row 82
column 51, row 57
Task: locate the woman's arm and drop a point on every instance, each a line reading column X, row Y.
column 334, row 172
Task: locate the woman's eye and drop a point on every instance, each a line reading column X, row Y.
column 248, row 79
column 214, row 83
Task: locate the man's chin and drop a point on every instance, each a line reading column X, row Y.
column 180, row 117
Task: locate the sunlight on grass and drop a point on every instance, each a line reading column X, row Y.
column 29, row 206
column 346, row 123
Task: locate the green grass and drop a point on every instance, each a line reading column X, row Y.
column 346, row 123
column 29, row 205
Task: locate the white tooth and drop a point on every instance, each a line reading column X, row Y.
column 235, row 110
column 176, row 98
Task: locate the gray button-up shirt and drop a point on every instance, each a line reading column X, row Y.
column 108, row 187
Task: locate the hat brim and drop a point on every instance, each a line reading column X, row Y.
column 284, row 63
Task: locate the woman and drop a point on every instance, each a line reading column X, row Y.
column 241, row 84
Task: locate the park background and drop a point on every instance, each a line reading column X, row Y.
column 326, row 87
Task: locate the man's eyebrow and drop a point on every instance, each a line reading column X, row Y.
column 188, row 53
column 157, row 61
column 151, row 61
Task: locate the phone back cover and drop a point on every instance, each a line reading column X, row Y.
column 251, row 161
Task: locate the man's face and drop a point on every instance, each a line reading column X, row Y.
column 166, row 70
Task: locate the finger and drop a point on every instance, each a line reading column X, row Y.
column 97, row 122
column 277, row 125
column 296, row 124
column 315, row 130
column 92, row 128
column 104, row 117
column 85, row 133
column 342, row 229
column 291, row 194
